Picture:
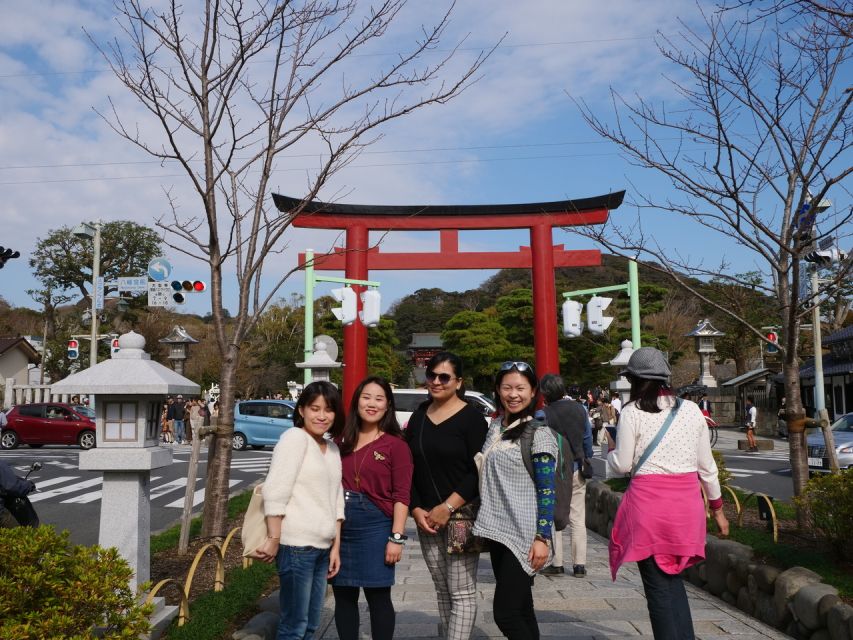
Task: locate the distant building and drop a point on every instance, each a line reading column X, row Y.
column 837, row 374
column 17, row 356
column 423, row 347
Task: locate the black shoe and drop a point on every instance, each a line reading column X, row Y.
column 552, row 571
column 579, row 570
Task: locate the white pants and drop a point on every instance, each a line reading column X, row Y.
column 455, row 580
column 577, row 524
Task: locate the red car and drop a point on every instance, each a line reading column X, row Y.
column 47, row 423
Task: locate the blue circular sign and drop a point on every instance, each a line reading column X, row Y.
column 159, row 269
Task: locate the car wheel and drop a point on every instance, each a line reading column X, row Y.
column 9, row 440
column 238, row 441
column 86, row 440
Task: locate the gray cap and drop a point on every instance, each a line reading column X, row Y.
column 649, row 364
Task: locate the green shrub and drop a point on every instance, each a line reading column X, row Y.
column 829, row 501
column 52, row 589
column 722, row 472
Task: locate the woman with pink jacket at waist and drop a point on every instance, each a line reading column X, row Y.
column 660, row 524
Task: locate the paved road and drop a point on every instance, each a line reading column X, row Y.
column 71, row 499
column 767, row 471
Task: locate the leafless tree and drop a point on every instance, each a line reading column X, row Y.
column 762, row 128
column 835, row 15
column 227, row 90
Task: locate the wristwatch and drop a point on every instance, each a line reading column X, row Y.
column 399, row 538
column 450, row 508
column 542, row 538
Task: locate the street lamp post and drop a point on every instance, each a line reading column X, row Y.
column 93, row 232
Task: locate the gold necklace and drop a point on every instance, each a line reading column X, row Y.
column 358, row 466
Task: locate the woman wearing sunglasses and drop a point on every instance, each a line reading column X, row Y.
column 517, row 511
column 445, row 433
column 660, row 523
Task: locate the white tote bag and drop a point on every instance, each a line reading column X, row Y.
column 254, row 530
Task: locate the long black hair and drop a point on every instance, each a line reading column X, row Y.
column 330, row 394
column 528, row 412
column 347, row 436
column 645, row 393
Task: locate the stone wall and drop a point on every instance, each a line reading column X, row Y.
column 794, row 601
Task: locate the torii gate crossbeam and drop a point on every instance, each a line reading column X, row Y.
column 357, row 258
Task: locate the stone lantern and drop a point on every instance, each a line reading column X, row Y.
column 129, row 391
column 705, row 334
column 621, row 387
column 321, row 361
column 179, row 342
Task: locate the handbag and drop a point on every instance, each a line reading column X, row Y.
column 458, row 534
column 254, row 531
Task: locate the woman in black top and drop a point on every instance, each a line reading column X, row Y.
column 444, row 434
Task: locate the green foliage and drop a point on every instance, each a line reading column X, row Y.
column 428, row 310
column 829, row 501
column 211, row 614
column 52, row 589
column 382, row 357
column 722, row 472
column 61, row 261
column 480, row 340
column 515, row 313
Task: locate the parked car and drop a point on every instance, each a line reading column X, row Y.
column 407, row 400
column 83, row 410
column 842, row 432
column 44, row 423
column 258, row 423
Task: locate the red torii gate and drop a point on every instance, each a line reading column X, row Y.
column 357, row 258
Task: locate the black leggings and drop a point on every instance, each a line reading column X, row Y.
column 513, row 604
column 382, row 616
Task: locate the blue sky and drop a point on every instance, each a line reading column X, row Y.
column 514, row 136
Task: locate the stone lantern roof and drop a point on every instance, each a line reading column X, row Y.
column 129, row 372
column 178, row 335
column 704, row 329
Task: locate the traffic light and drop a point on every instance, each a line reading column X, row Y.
column 595, row 317
column 370, row 312
column 773, row 337
column 7, row 254
column 824, row 257
column 572, row 323
column 347, row 313
column 114, row 348
column 178, row 295
column 73, row 349
column 199, row 286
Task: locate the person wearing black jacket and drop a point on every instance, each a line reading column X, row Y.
column 11, row 485
column 444, row 434
column 569, row 417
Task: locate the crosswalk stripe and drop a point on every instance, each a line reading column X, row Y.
column 749, row 471
column 71, row 488
column 92, row 496
column 198, row 497
column 163, row 489
column 49, row 482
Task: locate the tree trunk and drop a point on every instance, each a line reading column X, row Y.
column 796, row 436
column 216, row 490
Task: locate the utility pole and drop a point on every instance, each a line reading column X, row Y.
column 821, row 413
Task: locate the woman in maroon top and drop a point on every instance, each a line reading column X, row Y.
column 377, row 479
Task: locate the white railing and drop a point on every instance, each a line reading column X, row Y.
column 28, row 393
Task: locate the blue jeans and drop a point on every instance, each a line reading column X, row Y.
column 302, row 573
column 666, row 598
column 179, row 430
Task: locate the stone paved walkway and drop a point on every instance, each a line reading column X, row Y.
column 566, row 607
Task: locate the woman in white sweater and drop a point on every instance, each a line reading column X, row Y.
column 304, row 508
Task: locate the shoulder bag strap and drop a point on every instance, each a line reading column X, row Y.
column 426, row 462
column 656, row 441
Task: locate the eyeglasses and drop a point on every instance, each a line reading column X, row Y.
column 443, row 378
column 518, row 366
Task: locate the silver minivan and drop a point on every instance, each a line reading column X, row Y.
column 407, row 400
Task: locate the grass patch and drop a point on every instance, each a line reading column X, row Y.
column 211, row 614
column 169, row 538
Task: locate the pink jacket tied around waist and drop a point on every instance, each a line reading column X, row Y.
column 661, row 516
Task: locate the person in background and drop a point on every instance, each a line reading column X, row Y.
column 304, row 509
column 660, row 522
column 559, row 410
column 516, row 511
column 195, row 416
column 377, row 479
column 176, row 414
column 616, row 403
column 751, row 424
column 444, row 434
column 11, row 485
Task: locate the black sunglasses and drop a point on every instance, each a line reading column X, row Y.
column 518, row 366
column 443, row 378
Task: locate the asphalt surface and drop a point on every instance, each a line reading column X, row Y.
column 71, row 499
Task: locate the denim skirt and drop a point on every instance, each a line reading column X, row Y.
column 364, row 535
